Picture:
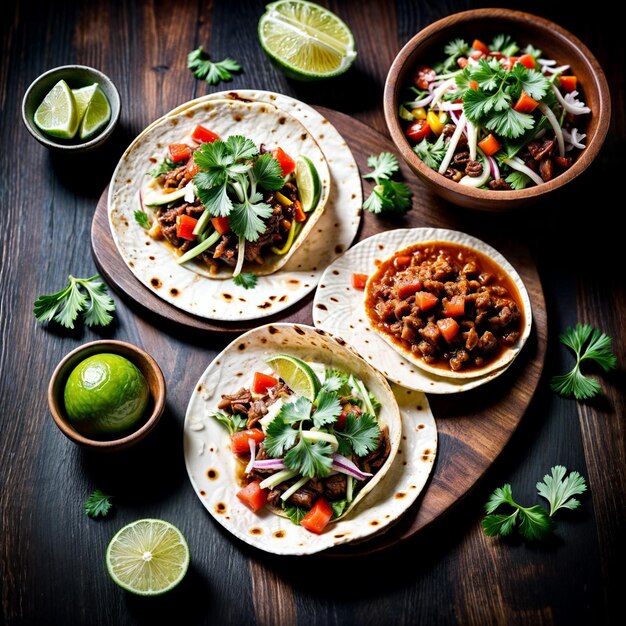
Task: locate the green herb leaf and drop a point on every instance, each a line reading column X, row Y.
column 233, row 423
column 213, row 158
column 336, row 380
column 162, row 168
column 509, row 122
column 387, row 195
column 360, row 435
column 494, row 525
column 374, row 203
column 98, row 304
column 327, row 408
column 215, row 200
column 431, row 153
column 142, row 219
column 246, row 218
column 294, row 513
column 309, row 459
column 297, row 411
column 98, row 504
column 246, row 280
column 241, row 147
column 279, row 436
column 204, row 69
column 268, row 173
column 518, row 180
column 383, row 165
column 504, row 44
column 338, row 506
column 456, row 48
column 559, row 491
column 535, row 523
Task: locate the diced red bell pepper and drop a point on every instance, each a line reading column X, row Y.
column 179, row 152
column 192, row 169
column 489, row 145
column 423, row 76
column 528, row 61
column 525, row 104
column 318, row 517
column 262, row 382
column 184, row 227
column 473, row 85
column 402, row 262
column 454, row 307
column 299, row 215
column 221, row 225
column 426, row 300
column 448, row 328
column 347, row 409
column 418, row 130
column 477, row 44
column 408, row 287
column 253, row 496
column 359, row 281
column 239, row 440
column 287, row 164
column 200, row 134
column 568, row 82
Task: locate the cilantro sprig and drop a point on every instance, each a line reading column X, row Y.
column 98, row 504
column 431, row 153
column 233, row 423
column 533, row 523
column 81, row 295
column 167, row 165
column 246, row 280
column 203, row 68
column 588, row 344
column 387, row 194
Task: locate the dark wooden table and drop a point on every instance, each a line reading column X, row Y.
column 52, row 555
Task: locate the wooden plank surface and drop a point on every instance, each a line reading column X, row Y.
column 51, row 555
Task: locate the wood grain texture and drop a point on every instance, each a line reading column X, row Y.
column 51, row 555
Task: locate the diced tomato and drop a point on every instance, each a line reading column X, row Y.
column 347, row 409
column 262, row 382
column 359, row 281
column 568, row 82
column 477, row 44
column 489, row 145
column 287, row 164
column 525, row 103
column 528, row 61
column 462, row 62
column 408, row 288
column 448, row 328
column 423, row 76
column 253, row 496
column 184, row 227
column 476, row 54
column 454, row 307
column 318, row 517
column 473, row 84
column 179, row 152
column 239, row 440
column 192, row 169
column 221, row 224
column 298, row 214
column 402, row 262
column 418, row 130
column 425, row 300
column 200, row 134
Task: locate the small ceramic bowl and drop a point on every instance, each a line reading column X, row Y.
column 75, row 76
column 148, row 367
column 428, row 46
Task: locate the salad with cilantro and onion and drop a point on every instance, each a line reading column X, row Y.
column 304, row 454
column 495, row 116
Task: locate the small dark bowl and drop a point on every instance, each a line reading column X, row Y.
column 148, row 367
column 556, row 43
column 75, row 76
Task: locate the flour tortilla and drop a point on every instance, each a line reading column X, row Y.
column 212, row 467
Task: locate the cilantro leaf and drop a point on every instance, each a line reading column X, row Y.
column 279, row 436
column 504, row 44
column 396, row 196
column 215, row 199
column 233, row 423
column 559, row 491
column 98, row 504
column 204, row 69
column 383, row 165
column 268, row 173
column 213, row 157
column 246, row 280
column 310, row 459
column 246, row 218
column 494, row 525
column 297, row 411
column 338, row 507
column 359, row 435
column 327, row 408
column 456, row 48
column 534, row 83
column 375, row 201
column 142, row 219
column 598, row 350
column 241, row 147
column 336, row 380
column 98, row 303
column 518, row 180
column 162, row 168
column 294, row 513
column 509, row 122
column 431, row 153
column 374, row 401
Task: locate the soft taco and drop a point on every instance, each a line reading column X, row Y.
column 289, row 431
column 230, row 187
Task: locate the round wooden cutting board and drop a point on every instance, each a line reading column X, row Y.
column 474, row 426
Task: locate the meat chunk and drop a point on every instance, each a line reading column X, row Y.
column 335, row 487
column 430, row 333
column 487, row 341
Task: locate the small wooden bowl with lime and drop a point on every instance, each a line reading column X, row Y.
column 107, row 395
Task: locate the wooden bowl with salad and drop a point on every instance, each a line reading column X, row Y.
column 495, row 109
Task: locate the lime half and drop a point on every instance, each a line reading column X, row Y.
column 148, row 557
column 97, row 115
column 83, row 97
column 56, row 115
column 308, row 181
column 298, row 375
column 305, row 40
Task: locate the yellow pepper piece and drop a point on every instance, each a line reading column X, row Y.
column 433, row 121
column 290, row 237
column 419, row 114
column 284, row 200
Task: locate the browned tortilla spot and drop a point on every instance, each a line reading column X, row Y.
column 322, row 306
column 303, row 136
column 202, row 492
column 200, row 388
column 212, row 474
column 241, row 346
column 421, row 426
column 374, row 522
column 272, row 298
column 155, row 282
column 299, row 330
column 265, row 305
column 282, row 120
column 220, row 508
column 282, row 298
column 400, row 495
column 237, row 118
column 151, row 258
column 227, row 296
column 174, row 291
column 333, row 299
column 174, row 121
column 256, row 531
column 279, row 534
column 338, row 249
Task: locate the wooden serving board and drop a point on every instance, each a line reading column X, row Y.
column 475, row 426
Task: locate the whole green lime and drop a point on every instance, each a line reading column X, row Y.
column 105, row 395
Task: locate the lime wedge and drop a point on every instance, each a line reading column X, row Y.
column 97, row 115
column 305, row 40
column 148, row 557
column 308, row 181
column 56, row 115
column 298, row 375
column 83, row 97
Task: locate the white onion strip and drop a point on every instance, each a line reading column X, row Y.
column 241, row 255
column 518, row 165
column 252, row 444
column 574, row 139
column 576, row 108
column 471, row 139
column 547, row 111
column 416, row 104
column 438, row 93
column 454, row 140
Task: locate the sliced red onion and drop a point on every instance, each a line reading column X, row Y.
column 493, row 166
column 416, row 104
column 346, row 466
column 252, row 444
column 276, row 464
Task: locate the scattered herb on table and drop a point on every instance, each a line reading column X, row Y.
column 142, row 219
column 98, row 504
column 213, row 72
column 246, row 280
column 588, row 344
column 534, row 523
column 65, row 305
column 387, row 195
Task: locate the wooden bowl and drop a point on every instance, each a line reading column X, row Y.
column 148, row 367
column 427, row 46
